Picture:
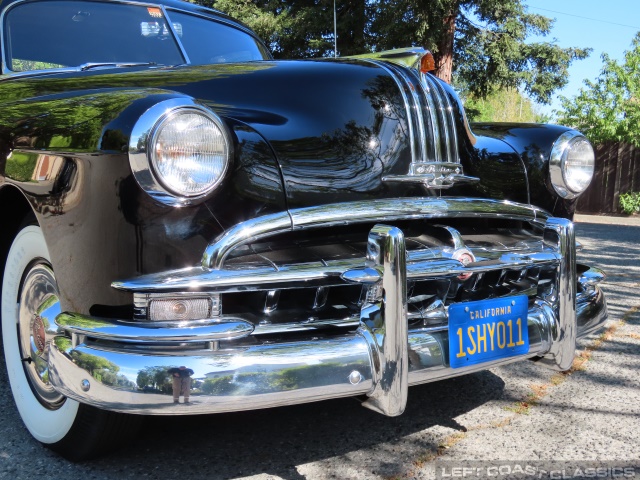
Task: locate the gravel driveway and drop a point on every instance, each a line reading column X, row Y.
column 513, row 416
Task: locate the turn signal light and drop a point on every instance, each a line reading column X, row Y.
column 427, row 63
column 180, row 309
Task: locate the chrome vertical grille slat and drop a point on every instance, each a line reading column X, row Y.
column 437, row 114
column 414, row 141
column 451, row 133
column 422, row 103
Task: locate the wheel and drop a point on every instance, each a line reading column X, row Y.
column 30, row 303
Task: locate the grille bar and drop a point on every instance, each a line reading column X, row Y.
column 370, row 211
column 335, row 272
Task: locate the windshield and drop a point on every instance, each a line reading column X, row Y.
column 57, row 34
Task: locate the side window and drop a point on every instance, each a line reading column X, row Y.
column 207, row 41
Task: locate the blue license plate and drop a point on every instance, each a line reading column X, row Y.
column 487, row 330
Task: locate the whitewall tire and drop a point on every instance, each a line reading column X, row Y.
column 30, row 303
column 48, row 422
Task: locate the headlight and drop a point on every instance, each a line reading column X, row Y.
column 189, row 152
column 571, row 164
column 179, row 151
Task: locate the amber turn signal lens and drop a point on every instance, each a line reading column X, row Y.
column 427, row 63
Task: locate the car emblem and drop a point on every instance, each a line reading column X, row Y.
column 465, row 257
column 459, row 251
column 436, row 175
column 38, row 333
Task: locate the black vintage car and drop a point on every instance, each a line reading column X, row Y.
column 190, row 227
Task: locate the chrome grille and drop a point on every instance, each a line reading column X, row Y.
column 312, row 276
column 512, row 263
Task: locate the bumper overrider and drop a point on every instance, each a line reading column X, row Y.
column 380, row 357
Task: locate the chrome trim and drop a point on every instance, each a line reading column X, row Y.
column 246, row 232
column 371, row 211
column 451, row 132
column 557, row 160
column 438, row 175
column 428, row 103
column 559, row 233
column 381, row 358
column 591, row 311
column 383, row 322
column 140, row 149
column 418, row 117
column 38, row 307
column 328, row 274
column 591, row 277
column 406, row 57
column 437, row 118
column 325, row 365
column 413, row 141
column 364, row 276
column 154, row 332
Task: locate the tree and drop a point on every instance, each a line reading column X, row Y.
column 506, row 105
column 608, row 109
column 481, row 44
column 155, row 377
column 98, row 367
column 301, row 28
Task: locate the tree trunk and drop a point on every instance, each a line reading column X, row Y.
column 444, row 56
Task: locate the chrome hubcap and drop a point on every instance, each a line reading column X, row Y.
column 39, row 306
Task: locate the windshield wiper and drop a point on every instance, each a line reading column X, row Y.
column 89, row 66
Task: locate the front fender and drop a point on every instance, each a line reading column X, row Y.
column 533, row 142
column 68, row 154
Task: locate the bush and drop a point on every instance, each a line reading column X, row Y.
column 630, row 202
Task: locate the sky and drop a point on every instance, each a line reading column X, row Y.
column 603, row 25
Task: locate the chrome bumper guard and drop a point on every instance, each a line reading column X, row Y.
column 380, row 360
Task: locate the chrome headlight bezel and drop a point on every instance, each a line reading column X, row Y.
column 559, row 166
column 142, row 156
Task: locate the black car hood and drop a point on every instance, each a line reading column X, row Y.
column 336, row 128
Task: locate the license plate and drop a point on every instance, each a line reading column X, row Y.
column 487, row 330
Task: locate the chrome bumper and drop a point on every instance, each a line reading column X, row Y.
column 380, row 360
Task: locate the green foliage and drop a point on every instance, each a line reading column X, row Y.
column 608, row 109
column 98, row 367
column 503, row 106
column 155, row 377
column 490, row 51
column 28, row 65
column 20, row 166
column 300, row 28
column 304, row 376
column 630, row 202
column 485, row 40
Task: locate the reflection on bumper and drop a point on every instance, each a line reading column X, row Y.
column 380, row 360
